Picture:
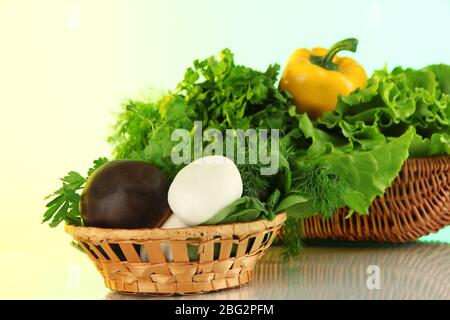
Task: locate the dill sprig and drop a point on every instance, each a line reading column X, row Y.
column 254, row 184
column 323, row 185
column 292, row 238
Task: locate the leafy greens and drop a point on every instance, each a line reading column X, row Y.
column 345, row 158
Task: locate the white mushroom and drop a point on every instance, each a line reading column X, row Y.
column 204, row 187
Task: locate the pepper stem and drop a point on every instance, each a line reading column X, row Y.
column 349, row 44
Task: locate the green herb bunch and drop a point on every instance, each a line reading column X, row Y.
column 345, row 158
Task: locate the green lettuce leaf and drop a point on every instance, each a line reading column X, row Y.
column 442, row 72
column 369, row 173
column 438, row 144
column 386, row 107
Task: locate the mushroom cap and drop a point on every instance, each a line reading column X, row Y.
column 204, row 187
column 125, row 194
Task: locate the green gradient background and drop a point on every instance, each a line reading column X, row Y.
column 65, row 66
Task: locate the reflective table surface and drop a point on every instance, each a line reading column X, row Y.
column 322, row 271
column 344, row 271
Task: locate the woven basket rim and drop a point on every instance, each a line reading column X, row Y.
column 105, row 234
column 436, row 157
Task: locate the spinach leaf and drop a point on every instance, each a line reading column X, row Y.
column 243, row 209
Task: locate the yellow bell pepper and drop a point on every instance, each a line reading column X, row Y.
column 315, row 78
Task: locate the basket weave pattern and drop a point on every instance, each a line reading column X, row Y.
column 205, row 258
column 416, row 204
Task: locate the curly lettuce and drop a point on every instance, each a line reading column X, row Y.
column 371, row 133
column 390, row 104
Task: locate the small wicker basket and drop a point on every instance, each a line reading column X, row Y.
column 416, row 204
column 205, row 258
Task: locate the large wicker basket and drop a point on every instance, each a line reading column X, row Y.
column 416, row 204
column 205, row 258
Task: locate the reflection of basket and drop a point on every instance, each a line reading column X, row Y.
column 416, row 204
column 410, row 271
column 205, row 258
column 415, row 270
